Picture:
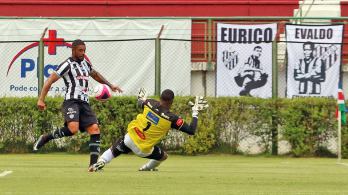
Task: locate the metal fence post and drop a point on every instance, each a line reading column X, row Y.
column 210, row 56
column 40, row 63
column 274, row 97
column 158, row 63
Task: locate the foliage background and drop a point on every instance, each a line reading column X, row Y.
column 306, row 124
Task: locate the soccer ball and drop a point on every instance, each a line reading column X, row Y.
column 102, row 92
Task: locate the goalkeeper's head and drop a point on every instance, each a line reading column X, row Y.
column 167, row 97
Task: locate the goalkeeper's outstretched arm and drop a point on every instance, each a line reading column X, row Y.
column 190, row 129
column 142, row 96
column 199, row 105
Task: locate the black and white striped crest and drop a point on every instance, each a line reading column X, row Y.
column 328, row 54
column 230, row 59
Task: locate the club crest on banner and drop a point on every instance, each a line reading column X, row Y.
column 230, row 59
column 329, row 54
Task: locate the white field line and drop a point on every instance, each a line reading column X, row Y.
column 4, row 173
column 344, row 164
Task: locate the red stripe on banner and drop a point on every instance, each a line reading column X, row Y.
column 20, row 53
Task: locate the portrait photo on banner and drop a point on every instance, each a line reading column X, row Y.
column 314, row 60
column 244, row 60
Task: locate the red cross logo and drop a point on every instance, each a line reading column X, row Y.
column 52, row 42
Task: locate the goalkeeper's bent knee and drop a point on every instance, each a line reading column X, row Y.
column 164, row 157
column 119, row 148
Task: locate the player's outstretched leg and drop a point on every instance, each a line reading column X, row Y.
column 150, row 166
column 156, row 158
column 43, row 139
column 114, row 151
column 97, row 166
column 94, row 148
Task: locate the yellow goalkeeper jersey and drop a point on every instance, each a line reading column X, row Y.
column 152, row 125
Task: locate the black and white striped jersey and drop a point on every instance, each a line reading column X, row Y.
column 76, row 76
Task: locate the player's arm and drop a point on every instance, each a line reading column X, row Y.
column 318, row 73
column 199, row 105
column 61, row 70
column 317, row 69
column 46, row 87
column 185, row 127
column 142, row 97
column 98, row 77
column 298, row 75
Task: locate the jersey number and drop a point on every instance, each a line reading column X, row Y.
column 147, row 127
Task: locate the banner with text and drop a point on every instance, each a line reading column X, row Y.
column 314, row 60
column 244, row 60
column 123, row 51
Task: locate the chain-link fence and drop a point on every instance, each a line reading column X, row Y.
column 188, row 67
column 131, row 64
column 127, row 63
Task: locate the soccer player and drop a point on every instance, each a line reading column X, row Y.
column 77, row 112
column 309, row 71
column 251, row 75
column 149, row 128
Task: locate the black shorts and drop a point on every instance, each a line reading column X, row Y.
column 157, row 153
column 79, row 111
column 119, row 147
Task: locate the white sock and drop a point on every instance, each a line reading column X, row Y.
column 152, row 164
column 107, row 156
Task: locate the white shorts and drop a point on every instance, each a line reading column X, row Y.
column 130, row 144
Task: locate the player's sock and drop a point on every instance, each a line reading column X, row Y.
column 94, row 148
column 43, row 139
column 114, row 151
column 59, row 133
column 151, row 165
column 107, row 156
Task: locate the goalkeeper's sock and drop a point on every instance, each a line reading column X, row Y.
column 59, row 133
column 107, row 156
column 152, row 164
column 94, row 148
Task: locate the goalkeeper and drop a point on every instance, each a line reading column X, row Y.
column 149, row 128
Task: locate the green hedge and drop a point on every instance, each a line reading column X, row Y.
column 307, row 124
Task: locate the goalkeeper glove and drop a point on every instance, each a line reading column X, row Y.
column 142, row 95
column 199, row 105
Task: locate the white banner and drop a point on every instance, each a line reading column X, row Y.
column 129, row 64
column 244, row 60
column 314, row 60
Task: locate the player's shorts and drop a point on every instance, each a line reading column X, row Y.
column 79, row 111
column 157, row 153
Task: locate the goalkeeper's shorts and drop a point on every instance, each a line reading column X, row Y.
column 157, row 153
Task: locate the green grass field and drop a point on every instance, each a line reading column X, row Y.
column 211, row 174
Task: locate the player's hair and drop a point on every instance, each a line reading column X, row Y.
column 257, row 47
column 167, row 95
column 311, row 44
column 77, row 42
